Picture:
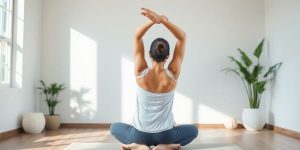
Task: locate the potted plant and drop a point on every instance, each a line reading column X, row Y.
column 51, row 93
column 254, row 82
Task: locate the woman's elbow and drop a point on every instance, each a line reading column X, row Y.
column 183, row 37
column 137, row 36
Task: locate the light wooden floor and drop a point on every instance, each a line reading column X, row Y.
column 263, row 140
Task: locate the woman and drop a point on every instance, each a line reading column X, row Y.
column 153, row 122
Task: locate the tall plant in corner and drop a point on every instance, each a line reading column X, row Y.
column 251, row 74
column 51, row 93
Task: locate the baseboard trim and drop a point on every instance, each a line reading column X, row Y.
column 269, row 126
column 85, row 125
column 10, row 133
column 284, row 131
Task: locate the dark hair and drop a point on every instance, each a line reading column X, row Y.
column 159, row 49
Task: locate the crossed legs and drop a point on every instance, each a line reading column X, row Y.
column 167, row 140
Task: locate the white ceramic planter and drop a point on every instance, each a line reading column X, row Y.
column 253, row 119
column 33, row 122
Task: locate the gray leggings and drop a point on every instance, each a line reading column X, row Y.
column 127, row 134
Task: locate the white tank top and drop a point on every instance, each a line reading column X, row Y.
column 154, row 110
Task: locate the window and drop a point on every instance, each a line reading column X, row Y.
column 6, row 25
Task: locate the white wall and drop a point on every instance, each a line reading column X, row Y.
column 283, row 34
column 92, row 40
column 22, row 97
column 88, row 46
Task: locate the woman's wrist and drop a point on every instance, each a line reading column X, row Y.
column 151, row 23
column 163, row 18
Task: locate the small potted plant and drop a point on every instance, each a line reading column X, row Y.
column 51, row 93
column 254, row 82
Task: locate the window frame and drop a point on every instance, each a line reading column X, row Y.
column 9, row 41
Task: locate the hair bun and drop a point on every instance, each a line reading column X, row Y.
column 160, row 47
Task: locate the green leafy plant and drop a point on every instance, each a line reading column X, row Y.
column 251, row 74
column 51, row 93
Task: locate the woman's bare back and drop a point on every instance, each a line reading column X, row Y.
column 157, row 81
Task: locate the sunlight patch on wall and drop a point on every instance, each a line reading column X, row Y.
column 209, row 115
column 83, row 76
column 129, row 90
column 182, row 109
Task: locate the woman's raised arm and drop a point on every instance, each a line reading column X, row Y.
column 179, row 51
column 139, row 51
column 175, row 64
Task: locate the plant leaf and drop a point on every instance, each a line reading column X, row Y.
column 273, row 69
column 251, row 102
column 256, row 71
column 261, row 86
column 243, row 70
column 232, row 70
column 259, row 49
column 43, row 83
column 246, row 60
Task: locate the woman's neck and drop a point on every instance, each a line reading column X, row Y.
column 158, row 67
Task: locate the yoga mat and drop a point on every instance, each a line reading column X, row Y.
column 116, row 146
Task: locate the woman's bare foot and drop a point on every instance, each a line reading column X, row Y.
column 167, row 147
column 135, row 146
